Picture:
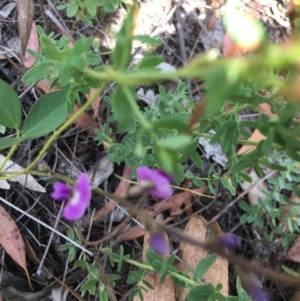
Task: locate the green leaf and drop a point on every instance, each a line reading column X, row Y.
column 121, row 107
column 290, row 271
column 121, row 54
column 91, row 7
column 241, row 292
column 89, row 286
column 81, row 264
column 50, row 48
column 171, row 123
column 167, row 159
column 175, row 142
column 196, row 159
column 200, row 293
column 71, row 254
column 233, row 298
column 8, row 142
column 135, row 276
column 110, row 7
column 150, row 61
column 203, row 266
column 37, row 72
column 241, row 164
column 152, row 256
column 113, row 277
column 149, row 40
column 273, row 166
column 147, row 284
column 48, row 113
column 10, row 106
column 243, row 205
column 72, row 8
column 103, row 293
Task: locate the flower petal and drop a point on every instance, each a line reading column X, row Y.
column 228, row 240
column 162, row 189
column 80, row 199
column 61, row 191
column 257, row 293
column 158, row 243
column 167, row 176
column 74, row 211
column 82, row 187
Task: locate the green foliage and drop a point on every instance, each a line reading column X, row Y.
column 87, row 10
column 69, row 246
column 164, row 142
column 203, row 266
column 10, row 106
column 48, row 113
column 63, row 66
column 275, row 200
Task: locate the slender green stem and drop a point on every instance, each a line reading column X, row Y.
column 11, row 152
column 56, row 134
column 235, row 110
column 135, row 108
column 150, row 268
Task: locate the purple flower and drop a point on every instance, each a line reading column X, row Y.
column 229, row 241
column 158, row 180
column 158, row 243
column 78, row 197
column 257, row 293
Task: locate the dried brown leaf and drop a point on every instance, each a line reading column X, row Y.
column 25, row 17
column 256, row 192
column 163, row 292
column 256, row 136
column 293, row 253
column 198, row 228
column 296, row 296
column 12, row 241
column 95, row 104
column 33, row 44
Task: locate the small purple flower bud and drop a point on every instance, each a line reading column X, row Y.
column 229, row 241
column 158, row 243
column 158, row 179
column 43, row 166
column 257, row 293
column 77, row 198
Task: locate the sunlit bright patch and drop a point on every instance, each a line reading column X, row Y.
column 244, row 29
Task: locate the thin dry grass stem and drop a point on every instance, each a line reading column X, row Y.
column 117, row 229
column 39, row 270
column 234, row 201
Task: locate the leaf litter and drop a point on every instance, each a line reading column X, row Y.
column 27, row 181
column 12, row 241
